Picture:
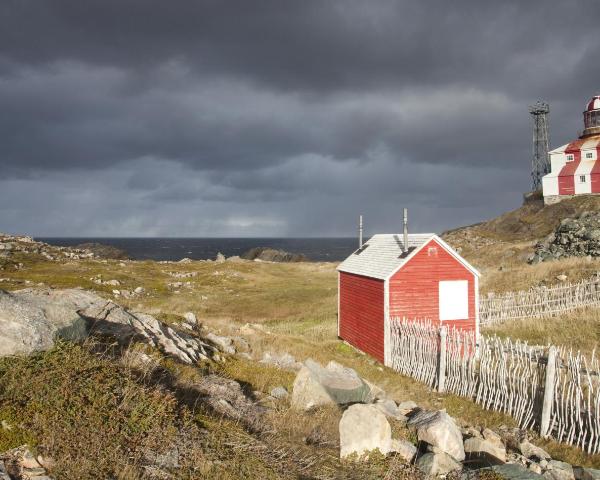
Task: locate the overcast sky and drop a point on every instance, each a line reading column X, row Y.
column 282, row 117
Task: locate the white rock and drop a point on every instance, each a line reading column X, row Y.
column 406, row 407
column 363, row 428
column 389, row 409
column 225, row 344
column 190, row 318
column 479, row 447
column 139, row 290
column 437, row 428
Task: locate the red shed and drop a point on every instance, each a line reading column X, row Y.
column 383, row 280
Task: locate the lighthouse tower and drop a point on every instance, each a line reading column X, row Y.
column 591, row 117
column 575, row 168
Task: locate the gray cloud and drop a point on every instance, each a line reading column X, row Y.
column 278, row 118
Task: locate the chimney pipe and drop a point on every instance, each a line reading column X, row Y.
column 360, row 231
column 405, row 229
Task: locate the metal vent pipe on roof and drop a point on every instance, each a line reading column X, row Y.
column 405, row 223
column 360, row 231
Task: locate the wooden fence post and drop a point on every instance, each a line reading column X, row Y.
column 442, row 360
column 548, row 393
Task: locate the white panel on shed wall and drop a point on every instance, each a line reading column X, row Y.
column 454, row 299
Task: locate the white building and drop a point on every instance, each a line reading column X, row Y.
column 574, row 166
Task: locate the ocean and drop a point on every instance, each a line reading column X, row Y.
column 316, row 249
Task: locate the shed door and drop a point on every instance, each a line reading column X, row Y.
column 454, row 299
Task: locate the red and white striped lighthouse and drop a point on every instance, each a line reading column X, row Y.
column 575, row 169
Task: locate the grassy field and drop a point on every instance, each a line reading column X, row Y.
column 292, row 308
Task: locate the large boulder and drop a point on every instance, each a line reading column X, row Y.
column 363, row 428
column 559, row 471
column 316, row 386
column 438, row 429
column 32, row 320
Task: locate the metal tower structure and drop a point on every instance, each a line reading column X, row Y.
column 540, row 164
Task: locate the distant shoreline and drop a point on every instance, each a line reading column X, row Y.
column 325, row 249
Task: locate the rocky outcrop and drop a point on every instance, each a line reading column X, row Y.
column 32, row 320
column 316, row 386
column 574, row 237
column 103, row 251
column 267, row 254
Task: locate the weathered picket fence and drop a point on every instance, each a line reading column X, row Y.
column 539, row 301
column 550, row 389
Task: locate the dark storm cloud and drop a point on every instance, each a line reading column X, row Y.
column 279, row 117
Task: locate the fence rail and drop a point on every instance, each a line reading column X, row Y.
column 539, row 301
column 548, row 388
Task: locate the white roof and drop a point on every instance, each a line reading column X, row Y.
column 383, row 254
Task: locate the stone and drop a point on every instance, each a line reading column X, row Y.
column 3, row 472
column 433, row 464
column 139, row 290
column 225, row 344
column 437, row 428
column 29, row 461
column 376, row 393
column 404, row 449
column 279, row 393
column 112, row 283
column 559, row 471
column 531, row 451
column 513, row 471
column 190, row 317
column 363, row 428
column 484, row 450
column 220, row 258
column 562, row 277
column 316, row 386
column 31, row 320
column 582, row 473
column 404, row 408
column 281, row 360
column 389, row 409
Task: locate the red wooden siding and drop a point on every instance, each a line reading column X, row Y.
column 361, row 313
column 595, row 173
column 566, row 177
column 414, row 289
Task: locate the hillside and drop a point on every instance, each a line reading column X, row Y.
column 500, row 247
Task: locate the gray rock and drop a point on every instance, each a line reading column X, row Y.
column 582, row 473
column 390, row 409
column 559, row 471
column 433, row 464
column 279, row 393
column 190, row 317
column 407, row 407
column 335, row 384
column 513, row 471
column 282, row 360
column 485, row 450
column 531, row 451
column 139, row 290
column 363, row 428
column 437, row 428
column 404, row 449
column 32, row 320
column 225, row 344
column 3, row 472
